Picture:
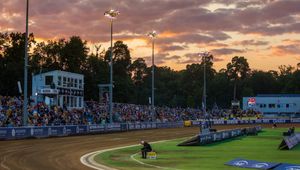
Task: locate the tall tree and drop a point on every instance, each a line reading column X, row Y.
column 237, row 70
column 95, row 72
column 263, row 82
column 123, row 86
column 74, row 54
column 12, row 61
column 47, row 56
column 138, row 73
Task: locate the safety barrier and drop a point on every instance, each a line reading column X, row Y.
column 258, row 121
column 7, row 133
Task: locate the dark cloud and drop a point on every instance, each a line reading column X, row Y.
column 159, row 59
column 195, row 38
column 190, row 58
column 174, row 57
column 85, row 17
column 226, row 51
column 251, row 42
column 189, row 21
column 291, row 49
column 172, row 48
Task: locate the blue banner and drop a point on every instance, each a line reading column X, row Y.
column 96, row 128
column 131, row 126
column 20, row 133
column 83, row 129
column 5, row 133
column 113, row 127
column 243, row 163
column 39, row 131
column 55, row 131
column 71, row 130
column 45, row 131
column 285, row 166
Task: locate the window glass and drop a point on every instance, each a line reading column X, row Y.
column 64, row 82
column 48, row 80
column 59, row 80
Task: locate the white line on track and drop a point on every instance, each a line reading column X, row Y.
column 143, row 163
column 89, row 158
column 2, row 163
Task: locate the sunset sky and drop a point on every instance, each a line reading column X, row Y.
column 266, row 32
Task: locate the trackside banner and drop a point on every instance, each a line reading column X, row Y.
column 290, row 141
column 7, row 133
column 285, row 166
column 244, row 163
column 258, row 121
column 218, row 136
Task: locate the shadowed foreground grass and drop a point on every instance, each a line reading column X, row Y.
column 210, row 157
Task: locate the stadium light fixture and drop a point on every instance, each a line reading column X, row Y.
column 204, row 54
column 152, row 35
column 111, row 14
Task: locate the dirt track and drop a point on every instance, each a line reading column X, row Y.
column 64, row 153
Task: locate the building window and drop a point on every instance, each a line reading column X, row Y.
column 271, row 105
column 72, row 82
column 48, row 80
column 64, row 82
column 68, row 82
column 75, row 83
column 287, row 105
column 59, row 81
column 80, row 84
column 80, row 102
column 75, row 102
column 278, row 105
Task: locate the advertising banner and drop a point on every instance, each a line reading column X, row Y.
column 19, row 133
column 39, row 131
column 285, row 166
column 96, row 128
column 82, row 129
column 56, row 131
column 5, row 133
column 71, row 130
column 244, row 163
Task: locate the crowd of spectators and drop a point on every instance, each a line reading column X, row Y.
column 95, row 113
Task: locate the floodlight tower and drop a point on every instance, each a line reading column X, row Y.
column 112, row 15
column 152, row 35
column 25, row 103
column 204, row 55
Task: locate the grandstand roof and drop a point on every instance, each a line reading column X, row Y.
column 278, row 95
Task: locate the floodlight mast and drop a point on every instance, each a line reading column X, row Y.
column 204, row 55
column 112, row 15
column 152, row 35
column 25, row 103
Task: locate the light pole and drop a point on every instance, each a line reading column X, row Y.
column 111, row 14
column 204, row 55
column 152, row 35
column 25, row 111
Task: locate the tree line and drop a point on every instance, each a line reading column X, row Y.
column 132, row 78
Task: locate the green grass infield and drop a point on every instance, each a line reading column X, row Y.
column 263, row 147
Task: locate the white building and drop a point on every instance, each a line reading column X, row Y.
column 57, row 87
column 273, row 103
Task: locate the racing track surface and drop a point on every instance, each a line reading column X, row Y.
column 64, row 153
